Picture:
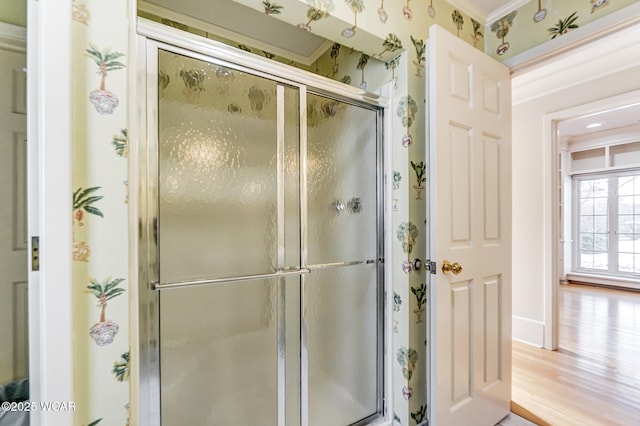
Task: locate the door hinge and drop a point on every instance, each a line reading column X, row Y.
column 35, row 253
column 430, row 266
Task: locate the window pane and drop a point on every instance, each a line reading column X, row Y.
column 601, row 243
column 626, row 224
column 601, row 261
column 625, row 205
column 601, row 224
column 625, row 262
column 586, row 260
column 586, row 189
column 600, row 206
column 636, row 185
column 586, row 242
column 600, row 187
column 625, row 243
column 586, row 207
column 626, row 185
column 586, row 224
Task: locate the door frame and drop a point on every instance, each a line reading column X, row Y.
column 599, row 58
column 563, row 236
column 144, row 359
column 49, row 168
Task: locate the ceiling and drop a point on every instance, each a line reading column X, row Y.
column 610, row 120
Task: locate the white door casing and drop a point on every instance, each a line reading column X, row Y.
column 469, row 124
column 49, row 204
column 14, row 355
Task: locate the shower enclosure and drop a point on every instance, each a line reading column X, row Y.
column 261, row 255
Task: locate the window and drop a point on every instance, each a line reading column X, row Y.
column 594, row 227
column 608, row 223
column 628, row 195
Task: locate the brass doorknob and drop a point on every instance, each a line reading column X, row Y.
column 454, row 267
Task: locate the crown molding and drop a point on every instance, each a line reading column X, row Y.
column 600, row 39
column 468, row 7
column 603, row 56
column 13, row 37
column 505, row 10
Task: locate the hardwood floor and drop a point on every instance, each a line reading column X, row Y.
column 594, row 378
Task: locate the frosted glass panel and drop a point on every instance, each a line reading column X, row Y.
column 342, row 343
column 218, row 171
column 229, row 205
column 219, row 355
column 290, row 174
column 341, row 181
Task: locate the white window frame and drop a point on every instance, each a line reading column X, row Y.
column 612, row 216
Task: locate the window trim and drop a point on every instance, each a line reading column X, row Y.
column 612, row 222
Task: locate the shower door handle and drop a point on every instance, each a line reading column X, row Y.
column 277, row 274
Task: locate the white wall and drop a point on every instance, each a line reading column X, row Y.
column 606, row 67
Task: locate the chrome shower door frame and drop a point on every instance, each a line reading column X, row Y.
column 145, row 227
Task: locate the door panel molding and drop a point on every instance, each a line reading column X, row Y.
column 20, row 231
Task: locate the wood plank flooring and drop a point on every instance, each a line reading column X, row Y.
column 594, row 378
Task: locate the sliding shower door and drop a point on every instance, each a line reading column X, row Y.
column 265, row 250
column 343, row 313
column 229, row 217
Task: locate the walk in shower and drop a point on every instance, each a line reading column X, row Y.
column 261, row 278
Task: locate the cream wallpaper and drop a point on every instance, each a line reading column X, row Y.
column 375, row 42
column 541, row 20
column 100, row 224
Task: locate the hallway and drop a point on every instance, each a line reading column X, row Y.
column 594, row 378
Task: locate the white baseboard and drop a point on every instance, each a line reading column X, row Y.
column 603, row 280
column 529, row 331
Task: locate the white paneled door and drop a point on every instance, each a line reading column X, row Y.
column 469, row 118
column 14, row 356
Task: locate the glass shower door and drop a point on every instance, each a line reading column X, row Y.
column 269, row 247
column 343, row 294
column 229, row 244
